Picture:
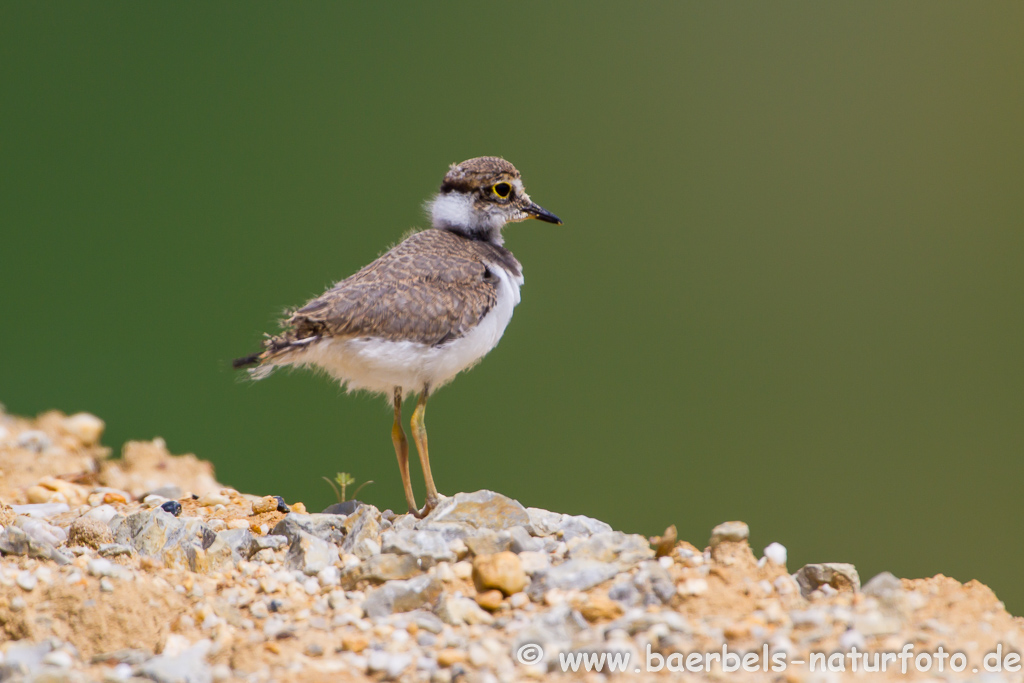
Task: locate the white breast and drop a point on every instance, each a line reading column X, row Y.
column 379, row 365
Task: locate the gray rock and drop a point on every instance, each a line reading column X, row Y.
column 270, row 541
column 129, row 656
column 179, row 542
column 480, row 509
column 623, row 549
column 457, row 610
column 625, row 592
column 14, row 541
column 401, row 596
column 168, row 491
column 488, row 541
column 33, row 440
column 571, row 575
column 363, row 528
column 188, row 667
column 89, row 532
column 308, row 553
column 24, row 658
column 381, row 568
column 838, row 575
column 553, row 629
column 426, row 621
column 422, row 544
column 450, row 531
column 41, row 531
column 41, row 510
column 115, row 549
column 573, row 526
column 389, row 664
column 546, row 523
column 883, row 586
column 520, row 541
column 654, row 582
column 734, row 532
column 329, row 528
column 242, row 542
column 149, row 531
column 638, row 620
column 543, row 522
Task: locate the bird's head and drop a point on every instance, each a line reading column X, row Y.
column 479, row 196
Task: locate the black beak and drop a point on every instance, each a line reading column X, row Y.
column 541, row 214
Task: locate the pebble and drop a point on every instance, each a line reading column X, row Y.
column 691, row 587
column 837, row 575
column 33, row 440
column 883, row 586
column 457, row 610
column 733, row 532
column 852, row 638
column 264, row 504
column 59, row 658
column 533, row 562
column 490, row 600
column 90, row 532
column 27, row 581
column 401, row 596
column 41, row 510
column 354, row 642
column 479, row 509
column 776, row 553
column 503, row 571
column 309, row 554
column 390, row 665
column 173, row 507
column 86, row 427
column 329, row 576
column 611, row 546
column 449, row 656
column 422, row 544
column 571, row 575
column 211, row 498
column 187, row 667
column 102, row 513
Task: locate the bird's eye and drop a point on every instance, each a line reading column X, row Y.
column 502, row 190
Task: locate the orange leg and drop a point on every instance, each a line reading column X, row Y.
column 419, row 435
column 402, row 450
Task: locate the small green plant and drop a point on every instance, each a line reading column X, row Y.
column 341, row 482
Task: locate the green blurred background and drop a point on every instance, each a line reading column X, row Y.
column 789, row 288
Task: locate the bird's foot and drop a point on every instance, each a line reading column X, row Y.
column 430, row 505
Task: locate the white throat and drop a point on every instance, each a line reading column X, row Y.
column 455, row 211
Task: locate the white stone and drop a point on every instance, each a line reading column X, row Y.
column 102, row 513
column 534, row 562
column 58, row 658
column 329, row 576
column 695, row 586
column 86, row 427
column 27, row 580
column 776, row 552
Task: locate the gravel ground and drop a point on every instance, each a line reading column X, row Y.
column 147, row 568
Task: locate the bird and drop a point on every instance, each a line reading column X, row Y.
column 427, row 309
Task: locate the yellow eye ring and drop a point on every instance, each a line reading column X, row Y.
column 503, row 190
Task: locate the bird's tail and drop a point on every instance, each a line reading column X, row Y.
column 277, row 350
column 247, row 361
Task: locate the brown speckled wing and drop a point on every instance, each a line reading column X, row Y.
column 431, row 288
